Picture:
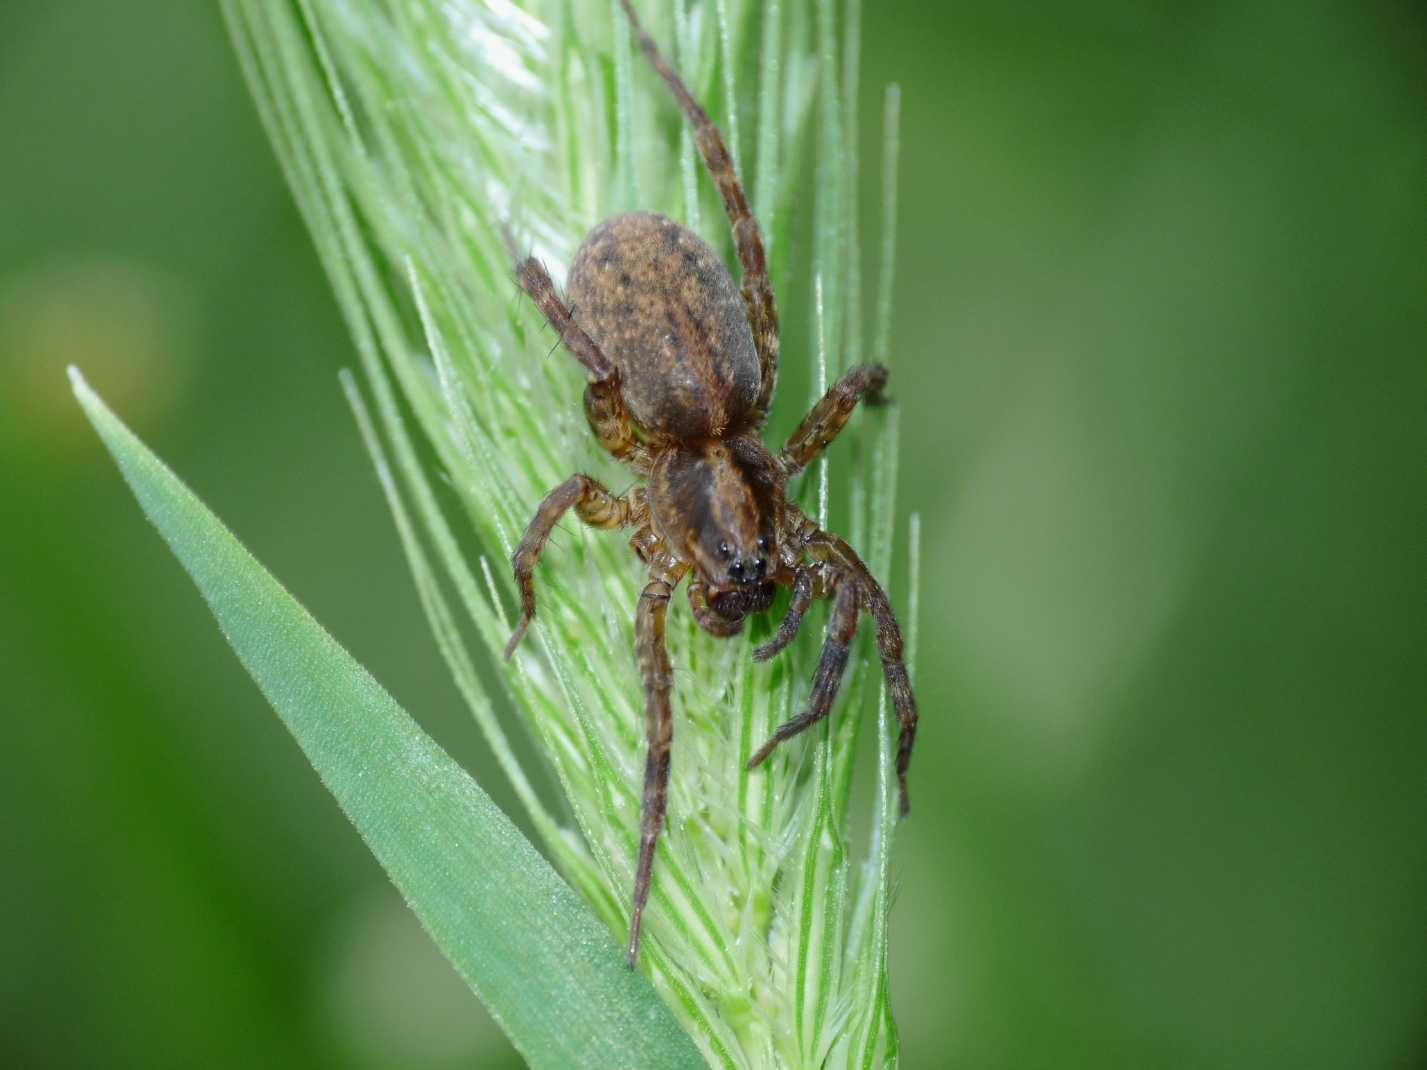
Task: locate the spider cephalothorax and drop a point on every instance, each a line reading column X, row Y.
column 682, row 366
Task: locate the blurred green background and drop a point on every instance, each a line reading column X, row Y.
column 1161, row 348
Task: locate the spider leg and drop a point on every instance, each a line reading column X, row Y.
column 614, row 430
column 658, row 678
column 592, row 503
column 850, row 573
column 899, row 685
column 889, row 647
column 604, row 404
column 802, row 584
column 827, row 418
column 841, row 627
column 757, row 287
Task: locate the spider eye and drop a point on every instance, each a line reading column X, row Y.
column 763, row 544
column 724, row 550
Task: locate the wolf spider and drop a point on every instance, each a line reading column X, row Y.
column 682, row 367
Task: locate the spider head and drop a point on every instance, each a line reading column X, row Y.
column 718, row 503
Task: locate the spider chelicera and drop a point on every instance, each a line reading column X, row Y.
column 682, row 366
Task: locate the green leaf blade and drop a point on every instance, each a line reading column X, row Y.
column 543, row 963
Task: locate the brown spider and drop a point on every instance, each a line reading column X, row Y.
column 682, row 372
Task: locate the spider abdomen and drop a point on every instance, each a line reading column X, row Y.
column 661, row 305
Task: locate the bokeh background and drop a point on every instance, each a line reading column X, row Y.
column 1161, row 348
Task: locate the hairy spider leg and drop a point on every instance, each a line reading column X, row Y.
column 593, row 504
column 889, row 648
column 802, row 584
column 841, row 627
column 826, row 419
column 850, row 573
column 757, row 287
column 658, row 676
column 604, row 404
column 899, row 687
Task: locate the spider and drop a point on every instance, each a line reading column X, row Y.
column 682, row 367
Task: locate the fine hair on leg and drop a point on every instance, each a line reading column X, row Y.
column 592, row 503
column 658, row 677
column 825, row 421
column 841, row 627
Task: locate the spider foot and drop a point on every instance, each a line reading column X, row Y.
column 783, row 731
column 761, row 754
column 517, row 635
column 876, row 385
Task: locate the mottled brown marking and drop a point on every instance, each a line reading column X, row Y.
column 676, row 330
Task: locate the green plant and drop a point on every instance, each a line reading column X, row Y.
column 414, row 134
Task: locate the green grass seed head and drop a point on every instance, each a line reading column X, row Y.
column 416, row 136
